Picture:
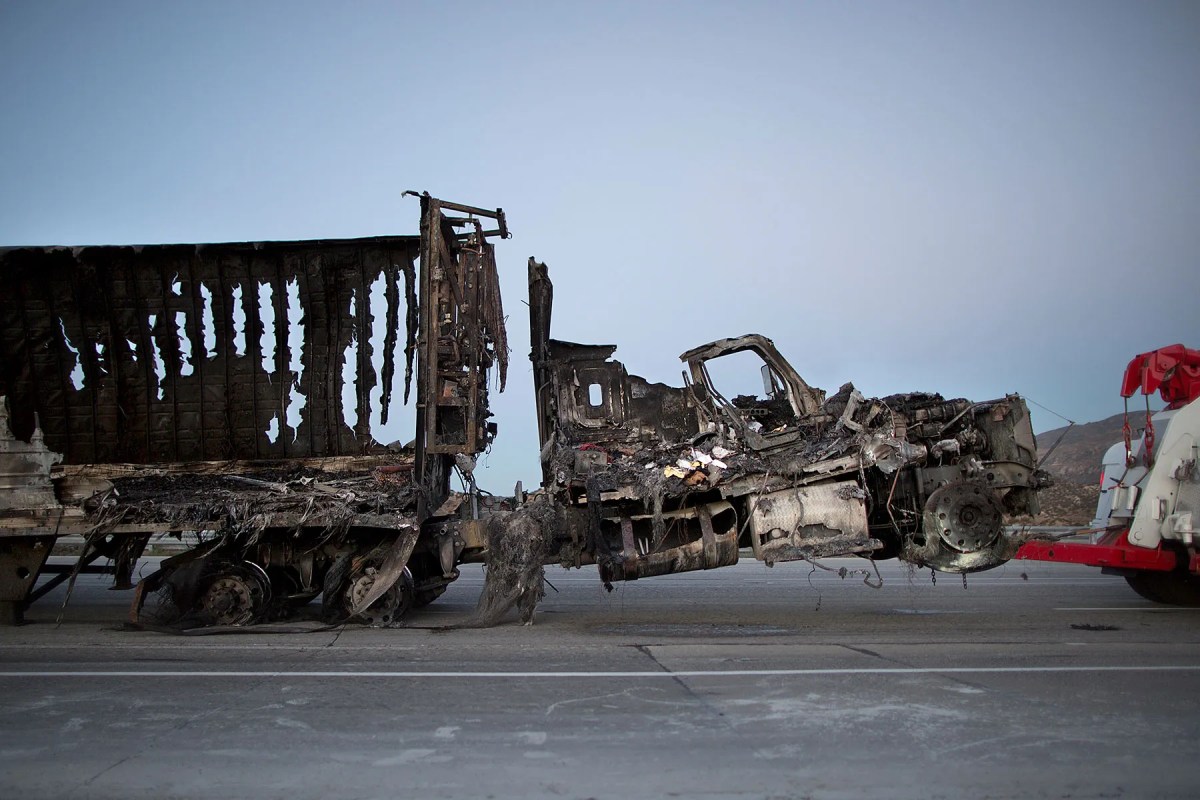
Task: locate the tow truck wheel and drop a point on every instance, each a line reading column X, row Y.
column 1169, row 588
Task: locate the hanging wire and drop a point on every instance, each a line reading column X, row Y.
column 1061, row 436
column 1052, row 411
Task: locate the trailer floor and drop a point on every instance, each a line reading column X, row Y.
column 1036, row 680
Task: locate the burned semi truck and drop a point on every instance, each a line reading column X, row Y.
column 224, row 391
column 224, row 394
column 647, row 479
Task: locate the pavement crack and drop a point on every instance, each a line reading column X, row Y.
column 695, row 697
column 644, row 649
column 903, row 663
column 109, row 768
column 864, row 651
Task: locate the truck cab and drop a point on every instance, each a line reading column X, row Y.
column 748, row 454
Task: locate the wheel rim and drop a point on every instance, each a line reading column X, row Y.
column 236, row 596
column 386, row 609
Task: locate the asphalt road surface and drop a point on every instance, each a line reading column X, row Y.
column 1032, row 680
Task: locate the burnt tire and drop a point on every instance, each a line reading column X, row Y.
column 1168, row 588
column 387, row 608
column 423, row 597
column 237, row 594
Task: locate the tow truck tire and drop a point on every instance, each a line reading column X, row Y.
column 1169, row 588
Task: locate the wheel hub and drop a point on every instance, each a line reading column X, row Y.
column 966, row 517
column 383, row 610
column 237, row 596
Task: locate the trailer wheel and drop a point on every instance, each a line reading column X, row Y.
column 386, row 609
column 1169, row 588
column 239, row 594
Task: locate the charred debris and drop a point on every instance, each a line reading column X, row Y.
column 656, row 479
column 224, row 394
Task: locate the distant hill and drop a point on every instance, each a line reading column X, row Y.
column 1075, row 465
column 1077, row 458
column 1064, row 503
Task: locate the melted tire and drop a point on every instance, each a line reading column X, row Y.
column 387, row 609
column 424, row 597
column 1168, row 588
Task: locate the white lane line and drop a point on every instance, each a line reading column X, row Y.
column 1154, row 609
column 728, row 673
column 196, row 644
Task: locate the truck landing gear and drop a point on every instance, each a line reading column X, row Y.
column 21, row 559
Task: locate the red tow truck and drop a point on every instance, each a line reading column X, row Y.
column 1147, row 519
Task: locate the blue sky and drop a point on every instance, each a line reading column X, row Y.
column 959, row 197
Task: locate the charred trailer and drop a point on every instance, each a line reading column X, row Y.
column 650, row 479
column 230, row 395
